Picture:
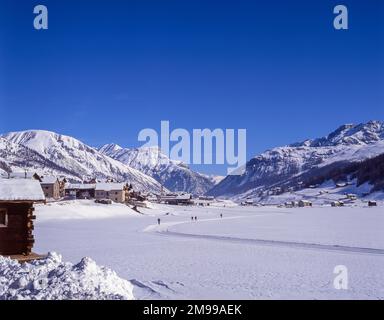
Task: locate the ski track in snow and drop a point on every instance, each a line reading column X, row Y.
column 164, row 229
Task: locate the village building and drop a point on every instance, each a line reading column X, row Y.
column 50, row 186
column 62, row 183
column 288, row 204
column 17, row 197
column 117, row 192
column 337, row 203
column 305, row 203
column 80, row 190
column 372, row 203
column 207, row 198
column 177, row 198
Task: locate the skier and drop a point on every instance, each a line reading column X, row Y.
column 195, row 218
column 158, row 221
column 192, row 218
column 221, row 215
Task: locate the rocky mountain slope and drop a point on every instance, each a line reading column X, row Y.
column 294, row 165
column 52, row 152
column 173, row 175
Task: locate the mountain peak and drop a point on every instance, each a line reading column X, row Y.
column 348, row 134
column 109, row 147
column 282, row 166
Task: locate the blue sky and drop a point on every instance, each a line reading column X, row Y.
column 104, row 70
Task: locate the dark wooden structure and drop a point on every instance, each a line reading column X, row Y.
column 17, row 215
column 16, row 233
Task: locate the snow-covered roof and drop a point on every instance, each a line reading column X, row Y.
column 20, row 190
column 109, row 186
column 48, row 179
column 80, row 186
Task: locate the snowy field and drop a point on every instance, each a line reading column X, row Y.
column 250, row 253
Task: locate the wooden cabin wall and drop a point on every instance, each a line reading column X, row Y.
column 17, row 237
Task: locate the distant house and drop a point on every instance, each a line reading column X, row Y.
column 337, row 203
column 248, row 202
column 80, row 190
column 305, row 203
column 17, row 197
column 177, row 198
column 62, row 183
column 50, row 186
column 207, row 198
column 117, row 192
column 372, row 203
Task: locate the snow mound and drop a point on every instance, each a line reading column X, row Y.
column 53, row 279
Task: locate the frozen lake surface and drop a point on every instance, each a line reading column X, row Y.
column 250, row 253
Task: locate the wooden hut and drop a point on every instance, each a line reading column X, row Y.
column 16, row 215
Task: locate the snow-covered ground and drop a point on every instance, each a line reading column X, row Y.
column 53, row 279
column 249, row 253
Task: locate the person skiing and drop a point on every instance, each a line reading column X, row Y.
column 192, row 218
column 158, row 221
column 221, row 215
column 195, row 218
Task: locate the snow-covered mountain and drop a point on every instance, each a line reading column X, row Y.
column 17, row 158
column 68, row 156
column 173, row 175
column 291, row 166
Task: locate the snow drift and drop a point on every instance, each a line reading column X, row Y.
column 53, row 279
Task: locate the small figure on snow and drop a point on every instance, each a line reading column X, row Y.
column 192, row 218
column 221, row 215
column 158, row 221
column 195, row 218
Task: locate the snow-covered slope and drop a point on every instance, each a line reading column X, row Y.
column 15, row 157
column 174, row 175
column 68, row 155
column 283, row 165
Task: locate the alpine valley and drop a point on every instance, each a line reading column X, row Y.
column 352, row 154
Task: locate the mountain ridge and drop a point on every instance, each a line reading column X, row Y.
column 280, row 165
column 71, row 157
column 174, row 175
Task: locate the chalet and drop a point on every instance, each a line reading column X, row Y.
column 117, row 192
column 51, row 187
column 305, row 203
column 80, row 190
column 17, row 197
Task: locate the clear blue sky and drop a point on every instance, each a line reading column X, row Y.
column 104, row 70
